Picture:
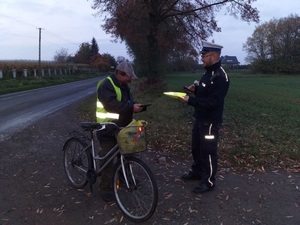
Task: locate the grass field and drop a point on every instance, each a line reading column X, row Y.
column 261, row 120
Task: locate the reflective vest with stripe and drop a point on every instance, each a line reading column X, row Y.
column 101, row 114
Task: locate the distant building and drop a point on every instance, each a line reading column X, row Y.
column 229, row 60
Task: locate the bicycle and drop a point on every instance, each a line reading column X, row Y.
column 134, row 185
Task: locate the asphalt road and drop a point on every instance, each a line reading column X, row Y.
column 18, row 110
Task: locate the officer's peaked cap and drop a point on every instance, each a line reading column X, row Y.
column 210, row 47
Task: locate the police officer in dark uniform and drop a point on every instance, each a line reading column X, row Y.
column 208, row 102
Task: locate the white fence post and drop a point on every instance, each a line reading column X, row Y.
column 14, row 71
column 49, row 72
column 43, row 73
column 34, row 72
column 25, row 72
column 1, row 74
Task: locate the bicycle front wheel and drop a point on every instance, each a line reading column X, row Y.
column 77, row 161
column 137, row 198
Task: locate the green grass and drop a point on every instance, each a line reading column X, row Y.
column 261, row 120
column 263, row 114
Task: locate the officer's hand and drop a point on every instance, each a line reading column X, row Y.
column 184, row 99
column 191, row 88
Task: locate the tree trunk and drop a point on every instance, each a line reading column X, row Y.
column 154, row 56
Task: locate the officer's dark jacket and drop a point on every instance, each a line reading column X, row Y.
column 209, row 95
column 108, row 97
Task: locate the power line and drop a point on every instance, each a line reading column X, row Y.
column 45, row 38
column 19, row 21
column 20, row 35
column 58, row 36
column 31, row 25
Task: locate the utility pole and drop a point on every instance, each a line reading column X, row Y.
column 40, row 40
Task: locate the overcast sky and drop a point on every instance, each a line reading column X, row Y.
column 68, row 23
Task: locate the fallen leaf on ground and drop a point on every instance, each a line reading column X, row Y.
column 247, row 210
column 168, row 196
column 170, row 210
column 192, row 210
column 39, row 211
column 165, row 218
column 110, row 221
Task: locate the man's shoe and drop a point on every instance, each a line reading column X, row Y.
column 190, row 176
column 108, row 198
column 201, row 188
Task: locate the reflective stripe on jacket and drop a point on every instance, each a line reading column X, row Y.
column 101, row 114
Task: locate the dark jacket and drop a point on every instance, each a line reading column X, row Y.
column 209, row 95
column 108, row 97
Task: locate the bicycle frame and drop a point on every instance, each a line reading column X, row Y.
column 107, row 158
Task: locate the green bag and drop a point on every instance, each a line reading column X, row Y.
column 132, row 138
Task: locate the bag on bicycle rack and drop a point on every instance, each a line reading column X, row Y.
column 132, row 138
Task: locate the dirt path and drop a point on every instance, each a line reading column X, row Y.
column 34, row 189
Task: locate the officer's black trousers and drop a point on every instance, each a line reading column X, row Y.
column 204, row 150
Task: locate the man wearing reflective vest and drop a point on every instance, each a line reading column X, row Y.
column 114, row 104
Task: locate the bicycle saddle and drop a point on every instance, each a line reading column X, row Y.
column 90, row 125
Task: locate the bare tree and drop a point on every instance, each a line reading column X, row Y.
column 120, row 59
column 151, row 28
column 62, row 56
column 275, row 45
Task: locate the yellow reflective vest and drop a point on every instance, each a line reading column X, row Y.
column 101, row 114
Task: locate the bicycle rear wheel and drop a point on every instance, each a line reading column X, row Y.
column 138, row 200
column 77, row 161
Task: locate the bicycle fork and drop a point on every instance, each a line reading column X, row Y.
column 125, row 173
